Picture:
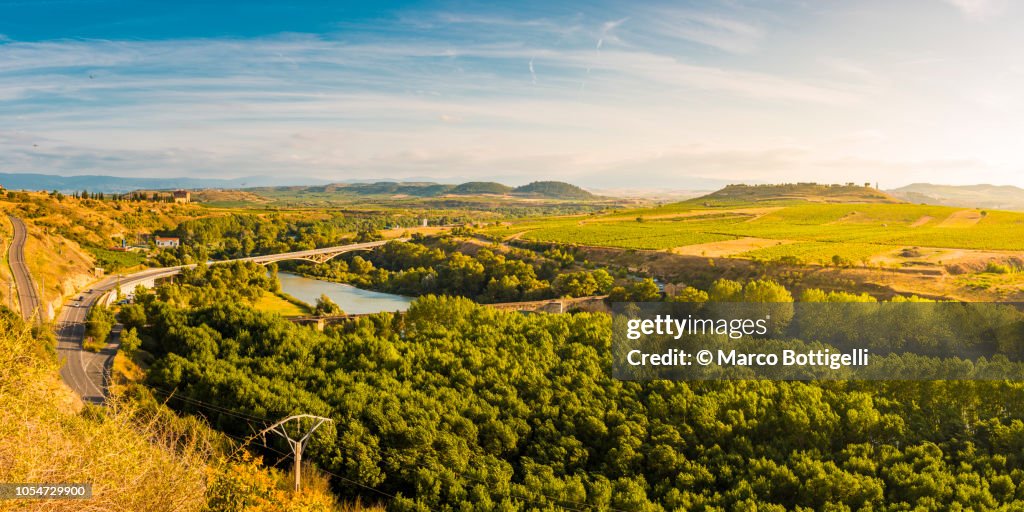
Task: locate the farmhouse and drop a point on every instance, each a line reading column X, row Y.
column 182, row 196
column 168, row 241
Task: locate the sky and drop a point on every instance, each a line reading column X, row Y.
column 608, row 95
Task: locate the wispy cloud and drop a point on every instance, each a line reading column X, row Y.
column 715, row 30
column 669, row 91
column 128, row 69
column 670, row 72
column 979, row 9
column 194, row 105
column 608, row 31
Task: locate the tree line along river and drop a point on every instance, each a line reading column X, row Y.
column 352, row 300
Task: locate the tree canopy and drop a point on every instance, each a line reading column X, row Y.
column 456, row 406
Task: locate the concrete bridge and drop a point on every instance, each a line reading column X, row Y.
column 592, row 303
column 319, row 322
column 322, row 255
column 86, row 372
column 148, row 278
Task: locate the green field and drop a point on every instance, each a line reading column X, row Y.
column 819, row 252
column 114, row 261
column 653, row 235
column 272, row 303
column 819, row 230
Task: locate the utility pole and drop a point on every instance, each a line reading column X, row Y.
column 297, row 445
column 41, row 298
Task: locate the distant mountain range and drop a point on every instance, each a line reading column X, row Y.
column 539, row 189
column 1004, row 197
column 996, row 197
column 267, row 184
column 117, row 185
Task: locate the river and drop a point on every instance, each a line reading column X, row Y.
column 351, row 299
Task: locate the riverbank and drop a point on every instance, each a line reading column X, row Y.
column 283, row 304
column 352, row 300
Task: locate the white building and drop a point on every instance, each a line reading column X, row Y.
column 169, row 241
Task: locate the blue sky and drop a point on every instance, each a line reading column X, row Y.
column 608, row 95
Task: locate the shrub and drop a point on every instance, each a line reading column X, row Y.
column 326, row 306
column 997, row 268
column 130, row 342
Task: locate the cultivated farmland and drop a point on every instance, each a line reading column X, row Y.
column 811, row 231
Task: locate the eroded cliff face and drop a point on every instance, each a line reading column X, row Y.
column 59, row 267
column 64, row 231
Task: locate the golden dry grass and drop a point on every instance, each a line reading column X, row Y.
column 922, row 221
column 222, row 195
column 405, row 232
column 59, row 264
column 272, row 303
column 132, row 465
column 6, row 298
column 728, row 247
column 961, row 219
column 137, row 458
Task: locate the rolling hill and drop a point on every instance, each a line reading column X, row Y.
column 1005, row 197
column 553, row 190
column 811, row 192
column 298, row 185
column 119, row 185
column 473, row 188
column 541, row 189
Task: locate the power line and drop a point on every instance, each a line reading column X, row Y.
column 550, row 500
column 297, row 444
column 353, row 482
column 285, row 456
column 213, row 407
column 558, row 502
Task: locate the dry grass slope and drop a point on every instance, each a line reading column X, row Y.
column 62, row 229
column 135, row 461
column 6, row 298
column 131, row 467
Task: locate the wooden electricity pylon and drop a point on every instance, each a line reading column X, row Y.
column 298, row 444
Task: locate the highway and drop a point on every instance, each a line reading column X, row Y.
column 86, row 372
column 83, row 371
column 28, row 295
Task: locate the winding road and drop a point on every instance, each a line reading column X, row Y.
column 28, row 295
column 83, row 371
column 87, row 372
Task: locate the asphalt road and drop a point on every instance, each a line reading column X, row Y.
column 28, row 296
column 86, row 372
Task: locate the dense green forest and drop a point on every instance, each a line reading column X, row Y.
column 481, row 187
column 238, row 236
column 415, row 268
column 456, row 406
column 557, row 189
